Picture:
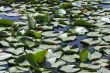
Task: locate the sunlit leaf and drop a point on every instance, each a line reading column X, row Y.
column 4, row 56
column 6, row 23
column 66, row 5
column 69, row 69
column 81, row 22
column 40, row 56
column 36, row 58
column 84, row 55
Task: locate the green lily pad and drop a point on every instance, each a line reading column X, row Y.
column 43, row 17
column 81, row 22
column 69, row 69
column 27, row 41
column 66, row 5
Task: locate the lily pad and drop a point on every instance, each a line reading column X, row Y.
column 103, row 70
column 106, row 38
column 95, row 56
column 66, row 5
column 4, row 56
column 69, row 69
column 68, row 58
column 81, row 22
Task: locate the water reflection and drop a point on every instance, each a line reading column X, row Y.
column 14, row 18
column 105, row 6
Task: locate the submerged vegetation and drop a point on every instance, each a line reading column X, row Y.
column 55, row 36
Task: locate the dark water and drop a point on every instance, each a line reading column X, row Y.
column 76, row 42
column 56, row 29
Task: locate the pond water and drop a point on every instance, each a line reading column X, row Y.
column 77, row 42
column 14, row 18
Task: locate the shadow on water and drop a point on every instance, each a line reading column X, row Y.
column 56, row 29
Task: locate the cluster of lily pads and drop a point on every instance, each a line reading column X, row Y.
column 45, row 39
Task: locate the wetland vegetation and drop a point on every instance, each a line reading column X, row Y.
column 54, row 36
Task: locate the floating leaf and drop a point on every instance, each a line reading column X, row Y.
column 50, row 34
column 43, row 17
column 105, row 31
column 4, row 43
column 68, row 58
column 107, row 51
column 15, row 70
column 4, row 56
column 103, row 70
column 90, row 66
column 95, row 55
column 20, row 59
column 51, row 41
column 94, row 34
column 69, row 69
column 81, row 22
column 27, row 41
column 63, row 22
column 106, row 38
column 58, row 63
column 66, row 5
